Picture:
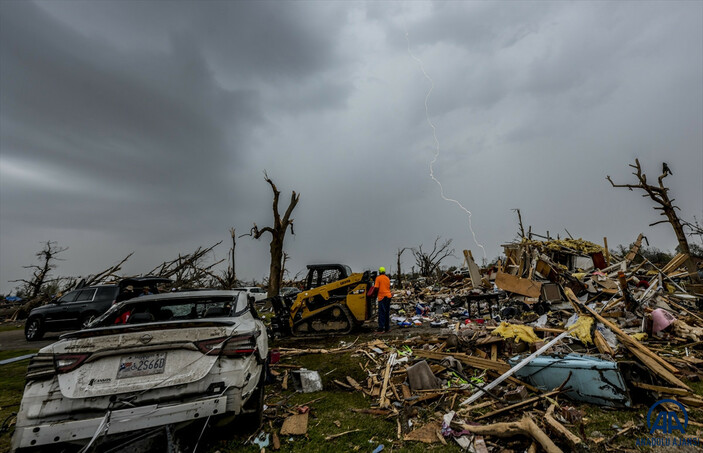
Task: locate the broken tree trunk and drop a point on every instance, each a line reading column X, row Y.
column 573, row 440
column 278, row 234
column 660, row 195
column 525, row 427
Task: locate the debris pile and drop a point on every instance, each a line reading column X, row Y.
column 519, row 356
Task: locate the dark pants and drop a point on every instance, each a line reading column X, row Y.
column 384, row 313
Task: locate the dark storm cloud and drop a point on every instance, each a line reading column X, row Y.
column 152, row 124
column 146, row 125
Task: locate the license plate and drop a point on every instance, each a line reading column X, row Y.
column 142, row 365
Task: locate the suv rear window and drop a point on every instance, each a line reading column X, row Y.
column 107, row 292
column 85, row 295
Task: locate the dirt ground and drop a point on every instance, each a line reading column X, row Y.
column 12, row 339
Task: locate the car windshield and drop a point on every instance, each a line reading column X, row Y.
column 172, row 309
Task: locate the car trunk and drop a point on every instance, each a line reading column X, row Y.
column 115, row 360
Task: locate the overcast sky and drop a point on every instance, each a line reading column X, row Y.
column 146, row 126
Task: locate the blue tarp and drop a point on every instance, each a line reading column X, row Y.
column 13, row 299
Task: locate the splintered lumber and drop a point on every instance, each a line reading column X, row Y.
column 406, row 391
column 514, row 369
column 355, row 385
column 334, row 436
column 518, row 285
column 679, row 307
column 573, row 440
column 427, row 397
column 692, row 400
column 477, row 406
column 674, row 264
column 372, row 411
column 656, row 364
column 525, row 427
column 383, row 402
column 635, row 249
column 602, row 345
column 472, row 361
column 659, row 389
column 519, row 405
column 343, row 385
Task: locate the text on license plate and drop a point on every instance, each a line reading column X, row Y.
column 142, row 365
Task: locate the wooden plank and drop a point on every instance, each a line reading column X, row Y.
column 602, row 345
column 474, row 271
column 475, row 362
column 675, row 263
column 517, row 285
column 634, row 250
column 659, row 389
column 494, row 352
column 383, row 402
column 607, row 253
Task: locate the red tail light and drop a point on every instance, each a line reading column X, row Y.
column 69, row 362
column 232, row 347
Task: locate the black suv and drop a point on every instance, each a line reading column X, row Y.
column 77, row 308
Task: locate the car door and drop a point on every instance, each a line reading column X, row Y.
column 56, row 314
column 73, row 311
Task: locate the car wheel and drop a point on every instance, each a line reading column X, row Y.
column 34, row 329
column 252, row 420
column 87, row 319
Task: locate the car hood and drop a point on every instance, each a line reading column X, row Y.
column 42, row 308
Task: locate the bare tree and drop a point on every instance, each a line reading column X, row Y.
column 107, row 273
column 278, row 234
column 32, row 288
column 660, row 195
column 399, row 253
column 188, row 270
column 519, row 218
column 428, row 262
column 286, row 258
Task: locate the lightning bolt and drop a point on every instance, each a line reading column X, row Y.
column 436, row 146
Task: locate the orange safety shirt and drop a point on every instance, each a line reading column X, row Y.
column 383, row 283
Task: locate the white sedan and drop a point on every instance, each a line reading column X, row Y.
column 147, row 362
column 259, row 294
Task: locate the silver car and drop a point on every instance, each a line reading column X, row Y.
column 147, row 362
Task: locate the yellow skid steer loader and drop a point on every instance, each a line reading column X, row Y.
column 334, row 301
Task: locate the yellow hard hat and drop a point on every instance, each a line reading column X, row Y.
column 382, row 270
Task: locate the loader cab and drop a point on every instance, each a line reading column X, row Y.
column 323, row 274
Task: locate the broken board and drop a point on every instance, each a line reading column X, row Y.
column 295, row 425
column 517, row 285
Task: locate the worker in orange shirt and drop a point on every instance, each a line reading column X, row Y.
column 383, row 283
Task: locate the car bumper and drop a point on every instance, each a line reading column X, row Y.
column 120, row 421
